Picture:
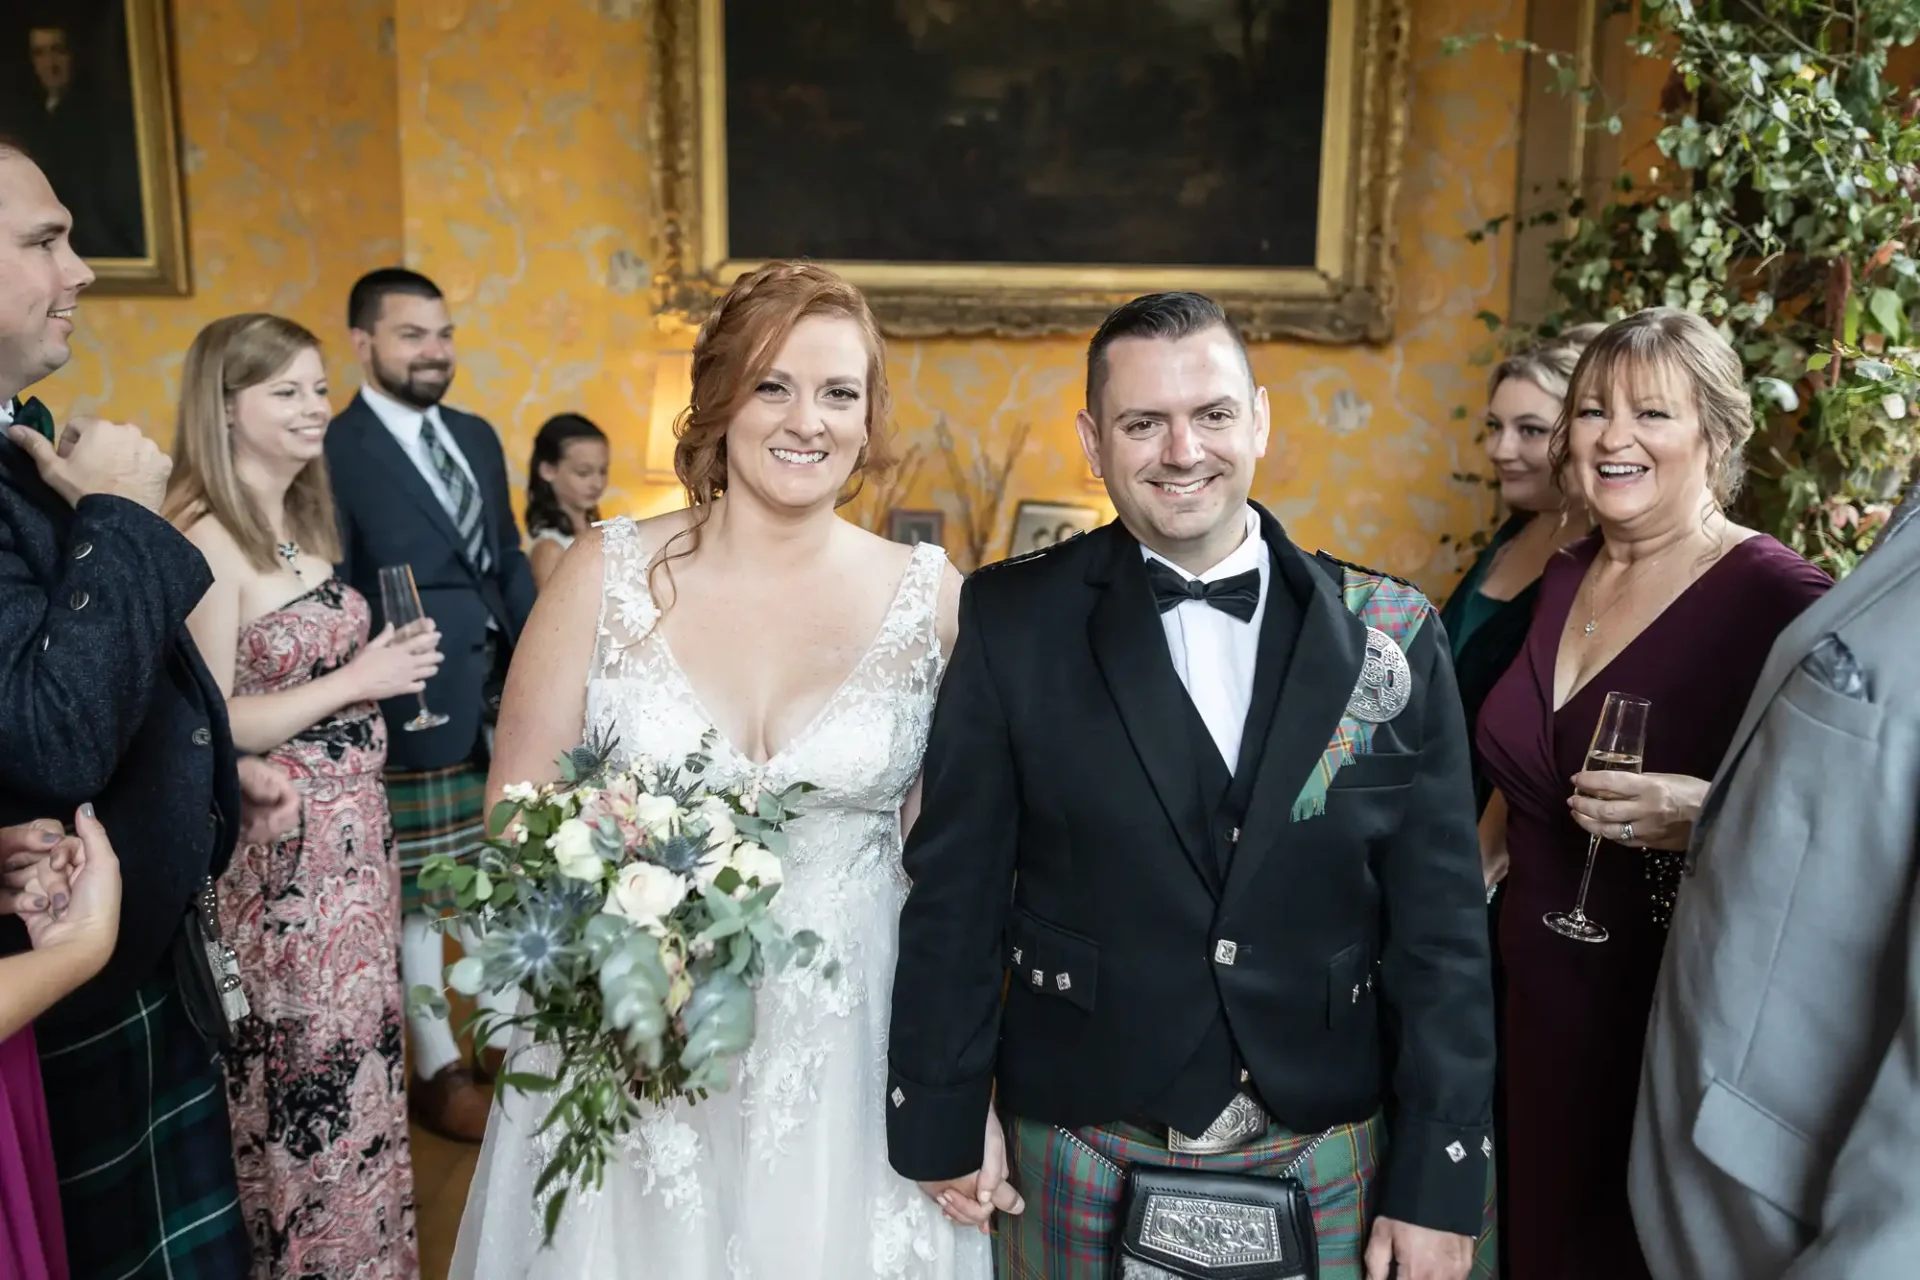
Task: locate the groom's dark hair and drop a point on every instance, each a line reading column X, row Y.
column 1167, row 316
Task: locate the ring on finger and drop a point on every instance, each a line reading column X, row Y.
column 1626, row 833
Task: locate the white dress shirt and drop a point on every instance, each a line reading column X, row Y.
column 404, row 422
column 6, row 413
column 1213, row 651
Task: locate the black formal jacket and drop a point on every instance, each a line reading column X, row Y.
column 1062, row 818
column 104, row 698
column 389, row 515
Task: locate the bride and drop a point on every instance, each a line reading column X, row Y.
column 813, row 650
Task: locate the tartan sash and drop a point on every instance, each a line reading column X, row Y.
column 1389, row 606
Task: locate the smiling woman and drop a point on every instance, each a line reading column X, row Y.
column 785, row 645
column 1669, row 601
column 312, row 916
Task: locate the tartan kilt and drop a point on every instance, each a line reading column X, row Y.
column 1073, row 1200
column 435, row 811
column 138, row 1113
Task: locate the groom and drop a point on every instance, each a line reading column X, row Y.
column 1232, row 873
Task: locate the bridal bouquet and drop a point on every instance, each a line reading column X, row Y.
column 630, row 907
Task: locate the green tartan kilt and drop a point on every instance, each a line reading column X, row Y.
column 138, row 1112
column 1073, row 1200
column 435, row 811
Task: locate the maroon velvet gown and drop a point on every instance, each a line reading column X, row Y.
column 1577, row 1011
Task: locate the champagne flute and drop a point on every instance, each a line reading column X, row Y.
column 1620, row 745
column 400, row 598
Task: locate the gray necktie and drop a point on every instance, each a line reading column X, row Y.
column 463, row 500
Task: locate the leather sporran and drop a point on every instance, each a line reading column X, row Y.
column 1187, row 1224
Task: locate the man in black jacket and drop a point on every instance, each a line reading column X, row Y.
column 1205, row 798
column 103, row 699
column 417, row 482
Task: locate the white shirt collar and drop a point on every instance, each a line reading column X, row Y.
column 401, row 419
column 1250, row 554
column 6, row 413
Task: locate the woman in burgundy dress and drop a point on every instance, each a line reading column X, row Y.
column 1672, row 602
column 315, row 1086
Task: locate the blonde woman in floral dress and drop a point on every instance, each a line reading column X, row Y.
column 315, row 1085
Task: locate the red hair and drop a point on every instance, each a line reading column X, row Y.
column 733, row 352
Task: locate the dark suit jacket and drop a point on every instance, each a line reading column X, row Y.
column 389, row 515
column 104, row 698
column 1062, row 818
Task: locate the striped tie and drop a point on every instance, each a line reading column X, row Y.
column 463, row 500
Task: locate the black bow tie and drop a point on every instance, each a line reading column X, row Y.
column 1238, row 596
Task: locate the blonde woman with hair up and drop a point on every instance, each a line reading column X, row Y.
column 314, row 916
column 1670, row 602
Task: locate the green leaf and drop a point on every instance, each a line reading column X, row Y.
column 1888, row 312
column 482, row 886
column 1818, row 360
column 529, row 1082
column 503, row 813
column 467, row 976
column 555, row 1207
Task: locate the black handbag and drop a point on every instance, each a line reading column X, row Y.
column 1191, row 1224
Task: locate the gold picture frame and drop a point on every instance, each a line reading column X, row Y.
column 1347, row 296
column 72, row 99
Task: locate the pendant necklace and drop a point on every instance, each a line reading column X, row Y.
column 1594, row 615
column 290, row 552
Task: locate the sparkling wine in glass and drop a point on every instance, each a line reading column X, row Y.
column 1619, row 744
column 401, row 600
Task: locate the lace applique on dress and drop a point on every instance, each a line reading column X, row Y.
column 786, row 1172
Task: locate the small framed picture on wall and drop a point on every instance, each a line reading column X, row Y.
column 1038, row 525
column 915, row 527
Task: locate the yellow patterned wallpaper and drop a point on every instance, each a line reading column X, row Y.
column 286, row 123
column 499, row 144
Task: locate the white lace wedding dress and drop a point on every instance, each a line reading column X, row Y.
column 784, row 1176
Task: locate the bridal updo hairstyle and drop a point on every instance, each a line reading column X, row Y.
column 734, row 350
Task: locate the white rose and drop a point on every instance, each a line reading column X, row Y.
column 645, row 894
column 753, row 862
column 719, row 819
column 572, row 847
column 655, row 813
column 519, row 792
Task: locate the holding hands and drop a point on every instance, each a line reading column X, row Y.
column 1639, row 810
column 971, row 1200
column 65, row 889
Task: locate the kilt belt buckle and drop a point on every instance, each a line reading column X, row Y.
column 1242, row 1121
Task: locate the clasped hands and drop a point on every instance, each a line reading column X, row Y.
column 1660, row 807
column 971, row 1200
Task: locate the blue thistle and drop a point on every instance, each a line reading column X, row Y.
column 535, row 944
column 679, row 852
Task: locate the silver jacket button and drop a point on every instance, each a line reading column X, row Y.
column 203, row 737
column 81, row 550
column 1063, row 981
column 1225, row 950
column 78, row 601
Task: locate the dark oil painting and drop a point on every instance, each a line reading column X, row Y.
column 66, row 94
column 1060, row 132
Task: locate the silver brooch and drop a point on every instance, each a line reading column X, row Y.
column 1386, row 681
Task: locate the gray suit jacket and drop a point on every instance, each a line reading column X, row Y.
column 1778, row 1132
